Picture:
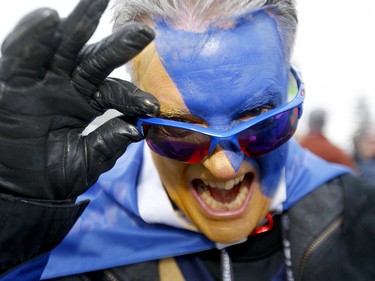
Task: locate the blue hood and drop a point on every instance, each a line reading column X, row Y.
column 111, row 233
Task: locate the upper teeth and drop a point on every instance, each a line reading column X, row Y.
column 224, row 185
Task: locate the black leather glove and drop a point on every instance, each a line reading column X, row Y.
column 51, row 87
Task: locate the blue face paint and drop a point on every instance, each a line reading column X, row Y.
column 223, row 73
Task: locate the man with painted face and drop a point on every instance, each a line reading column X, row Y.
column 218, row 190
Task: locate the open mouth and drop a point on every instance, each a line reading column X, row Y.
column 224, row 196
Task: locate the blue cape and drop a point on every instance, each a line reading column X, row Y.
column 111, row 233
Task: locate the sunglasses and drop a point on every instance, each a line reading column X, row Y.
column 256, row 137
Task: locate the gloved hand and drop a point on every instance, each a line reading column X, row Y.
column 51, row 87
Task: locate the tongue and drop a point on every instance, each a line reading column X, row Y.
column 224, row 196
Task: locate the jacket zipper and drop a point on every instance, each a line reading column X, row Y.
column 324, row 236
column 109, row 276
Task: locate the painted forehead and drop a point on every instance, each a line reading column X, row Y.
column 222, row 73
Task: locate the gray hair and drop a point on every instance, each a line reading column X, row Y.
column 192, row 13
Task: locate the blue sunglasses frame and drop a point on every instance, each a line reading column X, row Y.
column 230, row 135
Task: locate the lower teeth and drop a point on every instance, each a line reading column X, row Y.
column 220, row 206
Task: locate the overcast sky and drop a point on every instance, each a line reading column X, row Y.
column 335, row 51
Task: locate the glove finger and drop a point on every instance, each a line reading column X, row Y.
column 29, row 47
column 124, row 97
column 76, row 30
column 100, row 59
column 106, row 144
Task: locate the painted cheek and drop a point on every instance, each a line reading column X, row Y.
column 172, row 176
column 270, row 168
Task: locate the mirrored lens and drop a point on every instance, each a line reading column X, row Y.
column 178, row 144
column 268, row 134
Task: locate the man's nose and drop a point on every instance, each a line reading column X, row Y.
column 225, row 160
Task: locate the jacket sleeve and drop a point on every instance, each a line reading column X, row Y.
column 29, row 229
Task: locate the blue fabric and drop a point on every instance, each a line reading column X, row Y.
column 110, row 232
column 305, row 172
column 31, row 270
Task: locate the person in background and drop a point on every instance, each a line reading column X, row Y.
column 364, row 152
column 199, row 179
column 317, row 142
